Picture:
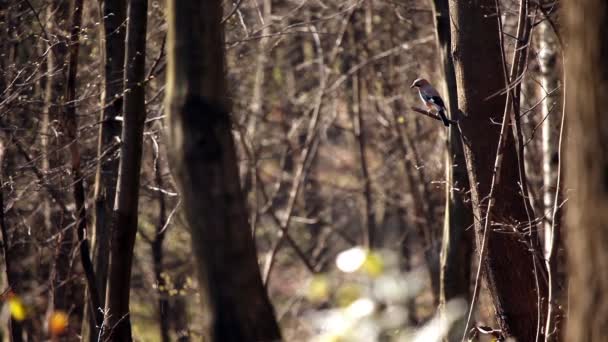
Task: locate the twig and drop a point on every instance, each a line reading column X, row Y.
column 308, row 152
column 234, row 9
column 403, row 47
column 431, row 115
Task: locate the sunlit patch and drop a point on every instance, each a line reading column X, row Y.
column 393, row 317
column 347, row 294
column 398, row 287
column 437, row 328
column 351, row 259
column 360, row 308
column 58, row 323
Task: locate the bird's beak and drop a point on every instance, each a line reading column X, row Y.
column 412, row 86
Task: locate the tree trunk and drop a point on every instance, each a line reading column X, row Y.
column 457, row 242
column 58, row 18
column 587, row 158
column 354, row 90
column 12, row 277
column 157, row 251
column 114, row 28
column 509, row 263
column 124, row 227
column 204, row 163
column 70, row 122
column 551, row 117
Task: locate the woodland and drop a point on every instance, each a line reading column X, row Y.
column 266, row 170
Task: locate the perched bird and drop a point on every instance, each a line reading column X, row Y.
column 431, row 99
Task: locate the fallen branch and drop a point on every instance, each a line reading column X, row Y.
column 431, row 114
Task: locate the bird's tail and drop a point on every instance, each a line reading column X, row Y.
column 444, row 117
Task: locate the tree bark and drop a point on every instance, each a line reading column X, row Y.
column 71, row 138
column 124, row 227
column 114, row 30
column 204, row 163
column 12, row 277
column 157, row 251
column 457, row 241
column 509, row 263
column 587, row 167
column 551, row 94
column 354, row 89
column 58, row 18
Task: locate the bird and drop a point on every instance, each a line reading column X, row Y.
column 431, row 98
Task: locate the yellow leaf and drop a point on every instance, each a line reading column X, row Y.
column 318, row 289
column 17, row 308
column 347, row 294
column 373, row 264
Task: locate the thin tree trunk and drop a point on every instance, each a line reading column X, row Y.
column 256, row 105
column 203, row 154
column 15, row 326
column 587, row 165
column 551, row 109
column 124, row 227
column 114, row 30
column 457, row 243
column 509, row 262
column 157, row 251
column 58, row 18
column 69, row 296
column 71, row 135
column 179, row 313
column 354, row 85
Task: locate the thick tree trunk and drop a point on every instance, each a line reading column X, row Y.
column 587, row 162
column 456, row 247
column 124, row 227
column 509, row 263
column 203, row 155
column 114, row 29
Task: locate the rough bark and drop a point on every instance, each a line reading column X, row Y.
column 480, row 77
column 587, row 167
column 124, row 226
column 204, row 163
column 113, row 30
column 456, row 245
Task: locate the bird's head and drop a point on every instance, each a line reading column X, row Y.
column 419, row 82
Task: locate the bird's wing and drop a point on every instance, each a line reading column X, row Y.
column 438, row 101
